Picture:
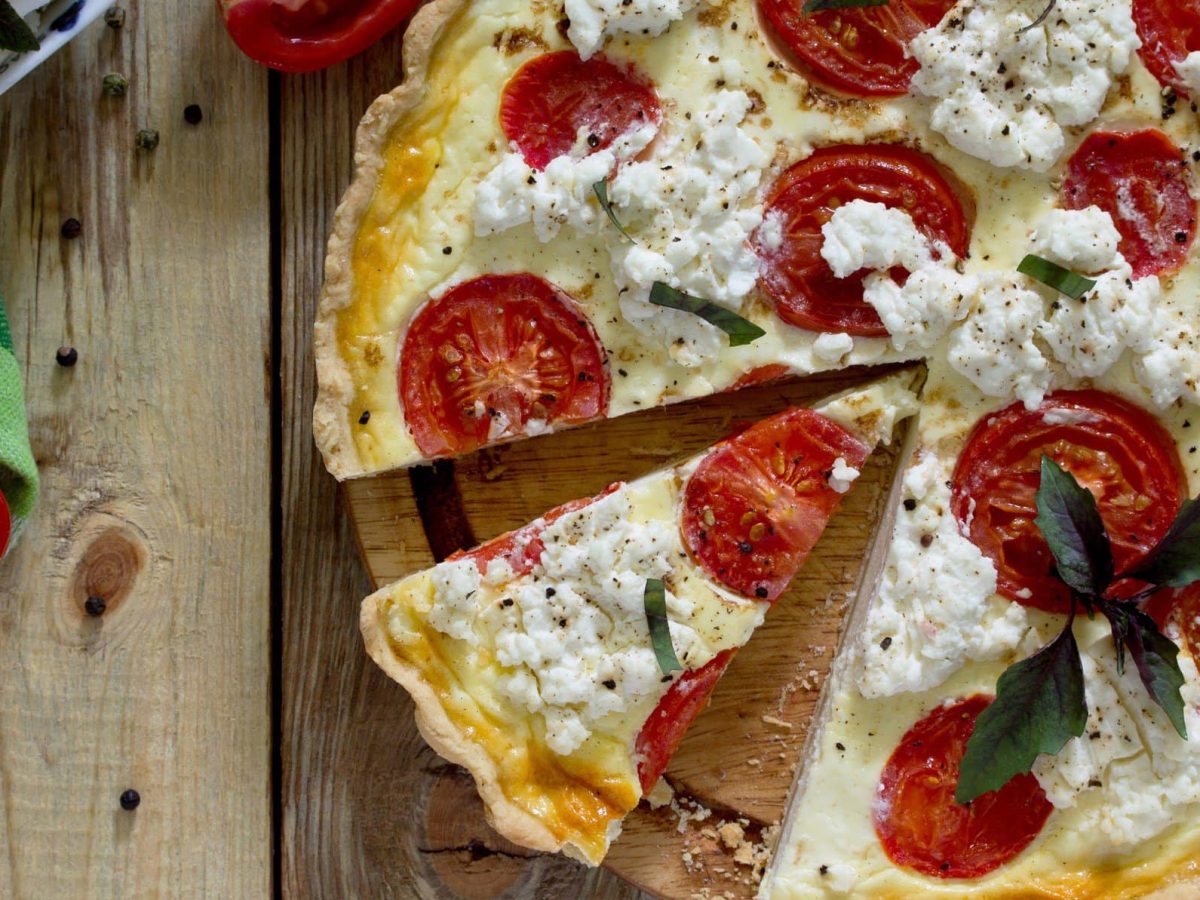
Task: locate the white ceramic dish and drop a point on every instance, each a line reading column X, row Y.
column 55, row 23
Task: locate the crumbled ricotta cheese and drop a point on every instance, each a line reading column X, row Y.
column 1188, row 70
column 594, row 21
column 867, row 235
column 572, row 635
column 843, row 475
column 1169, row 364
column 692, row 208
column 1083, row 240
column 1004, row 91
column 935, row 607
column 513, row 193
column 832, row 347
column 841, row 877
column 995, row 348
column 1130, row 773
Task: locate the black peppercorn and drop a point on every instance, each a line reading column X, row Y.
column 71, row 229
column 193, row 114
column 66, row 357
column 365, row 417
column 94, row 606
column 761, row 592
column 130, row 799
column 910, row 504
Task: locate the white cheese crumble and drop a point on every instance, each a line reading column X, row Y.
column 936, row 606
column 691, row 208
column 513, row 193
column 1084, row 240
column 572, row 635
column 1188, row 70
column 832, row 347
column 843, row 475
column 594, row 21
column 867, row 235
column 995, row 347
column 1004, row 91
column 1130, row 773
column 1169, row 364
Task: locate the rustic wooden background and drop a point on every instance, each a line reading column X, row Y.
column 226, row 682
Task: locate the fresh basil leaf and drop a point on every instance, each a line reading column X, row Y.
column 1045, row 14
column 1070, row 522
column 1157, row 661
column 1039, row 706
column 813, row 6
column 1120, row 620
column 655, row 599
column 1175, row 562
column 15, row 33
column 1053, row 275
column 600, row 189
column 741, row 331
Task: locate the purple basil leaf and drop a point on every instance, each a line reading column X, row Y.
column 1157, row 661
column 1175, row 562
column 1070, row 522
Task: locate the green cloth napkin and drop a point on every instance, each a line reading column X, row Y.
column 18, row 472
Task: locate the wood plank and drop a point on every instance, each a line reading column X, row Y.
column 154, row 451
column 368, row 809
column 740, row 756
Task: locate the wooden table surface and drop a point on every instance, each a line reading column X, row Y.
column 226, row 682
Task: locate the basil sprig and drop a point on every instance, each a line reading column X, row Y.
column 1055, row 276
column 655, row 599
column 813, row 6
column 741, row 331
column 600, row 189
column 1040, row 702
column 15, row 33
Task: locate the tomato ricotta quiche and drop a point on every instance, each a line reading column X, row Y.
column 578, row 210
column 530, row 658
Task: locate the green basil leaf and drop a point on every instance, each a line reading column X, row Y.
column 1157, row 661
column 15, row 33
column 1175, row 562
column 600, row 189
column 1070, row 522
column 1053, row 275
column 1039, row 706
column 741, row 331
column 655, row 599
column 813, row 6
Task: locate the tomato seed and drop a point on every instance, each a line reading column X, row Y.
column 758, row 532
column 710, row 518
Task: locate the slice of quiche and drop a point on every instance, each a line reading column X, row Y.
column 562, row 663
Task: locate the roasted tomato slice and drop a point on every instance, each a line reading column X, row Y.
column 757, row 503
column 1119, row 452
column 1141, row 179
column 554, row 99
column 522, row 548
column 795, row 275
column 5, row 524
column 663, row 732
column 306, row 35
column 493, row 356
column 1170, row 30
column 1182, row 605
column 919, row 824
column 859, row 51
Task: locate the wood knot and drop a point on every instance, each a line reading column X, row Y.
column 107, row 570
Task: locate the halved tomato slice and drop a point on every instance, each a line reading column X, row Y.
column 1118, row 451
column 795, row 275
column 1141, row 179
column 860, row 51
column 1183, row 605
column 758, row 502
column 664, row 731
column 920, row 825
column 491, row 357
column 306, row 35
column 553, row 99
column 1170, row 30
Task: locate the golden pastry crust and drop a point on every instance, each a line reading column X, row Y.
column 335, row 388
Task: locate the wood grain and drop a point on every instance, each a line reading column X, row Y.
column 740, row 756
column 368, row 809
column 154, row 452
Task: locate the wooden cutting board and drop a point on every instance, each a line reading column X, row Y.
column 732, row 774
